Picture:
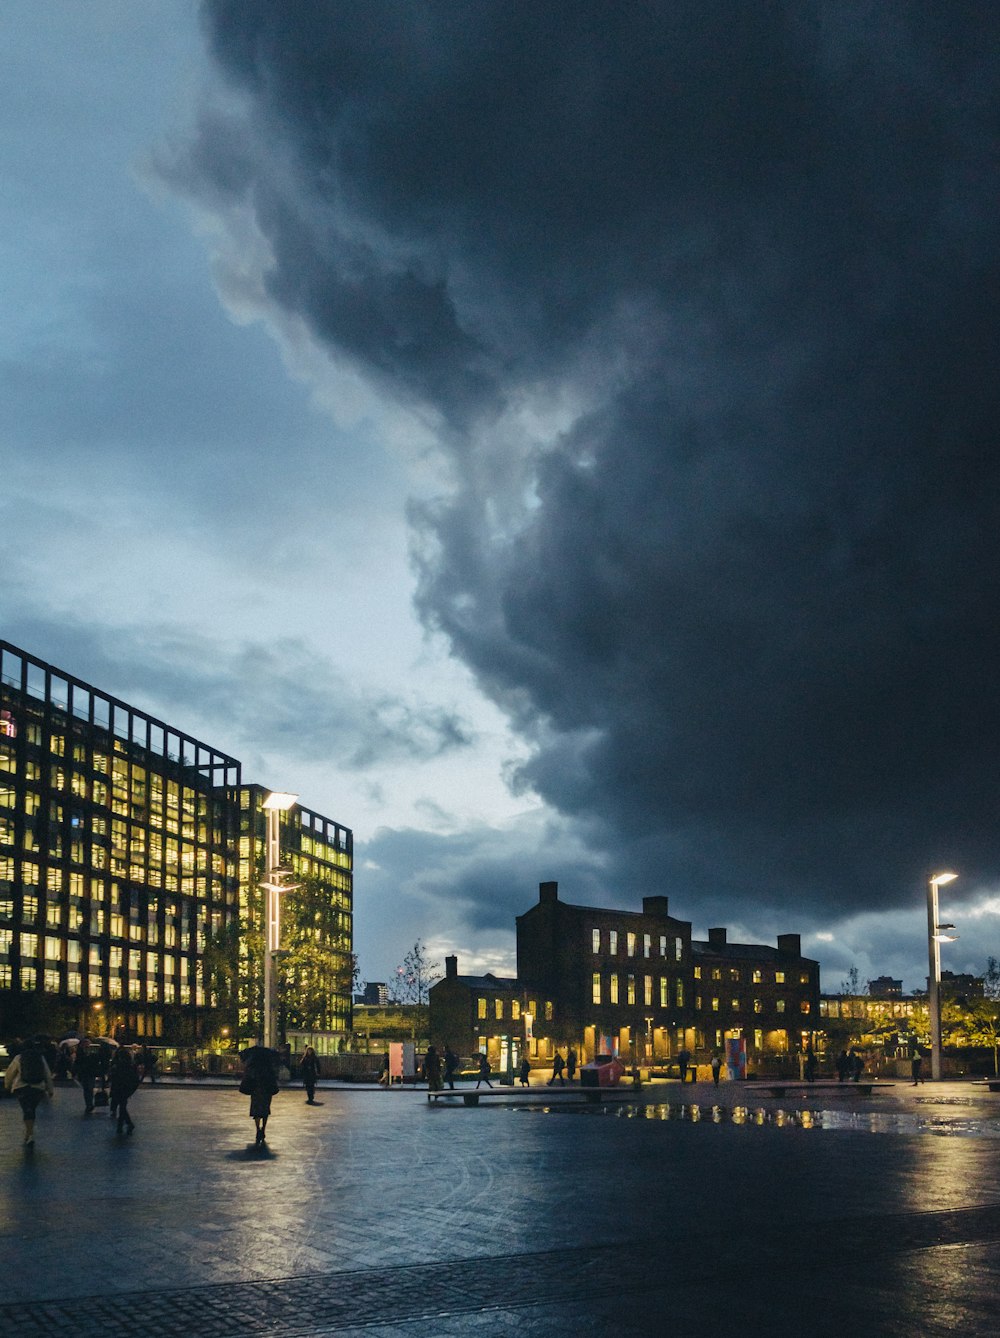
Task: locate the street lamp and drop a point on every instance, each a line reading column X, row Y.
column 273, row 805
column 935, row 937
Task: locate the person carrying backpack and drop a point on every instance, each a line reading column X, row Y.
column 29, row 1077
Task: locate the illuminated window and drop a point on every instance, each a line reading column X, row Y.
column 678, row 948
column 481, row 1008
column 548, row 1010
column 805, row 1006
column 596, row 988
column 758, row 1005
column 716, row 973
column 647, row 945
column 647, row 990
column 663, row 945
column 697, row 1002
column 758, row 1040
column 595, row 935
column 715, row 1005
column 630, row 941
column 664, row 992
column 780, row 1006
column 779, row 977
column 734, row 973
column 613, row 942
column 679, row 992
column 697, row 973
column 804, row 978
column 758, row 976
column 498, row 1009
column 630, row 990
column 614, row 988
column 736, row 1005
column 515, row 1009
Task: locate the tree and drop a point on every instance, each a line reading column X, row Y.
column 852, row 985
column 413, row 981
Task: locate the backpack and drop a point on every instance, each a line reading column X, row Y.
column 32, row 1066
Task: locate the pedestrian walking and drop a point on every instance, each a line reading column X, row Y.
column 843, row 1066
column 524, row 1070
column 450, row 1066
column 86, row 1067
column 431, row 1069
column 484, row 1071
column 558, row 1064
column 857, row 1065
column 716, row 1069
column 383, row 1078
column 570, row 1064
column 810, row 1065
column 260, row 1083
column 124, row 1080
column 309, row 1073
column 916, row 1067
column 147, row 1063
column 683, row 1060
column 29, row 1077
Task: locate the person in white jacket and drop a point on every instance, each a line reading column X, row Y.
column 29, row 1077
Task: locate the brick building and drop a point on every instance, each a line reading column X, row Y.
column 629, row 982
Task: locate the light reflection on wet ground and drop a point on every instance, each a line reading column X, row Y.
column 951, row 1119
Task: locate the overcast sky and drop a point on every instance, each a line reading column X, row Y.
column 557, row 441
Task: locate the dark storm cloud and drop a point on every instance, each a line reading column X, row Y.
column 740, row 590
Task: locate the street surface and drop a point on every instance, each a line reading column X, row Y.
column 374, row 1213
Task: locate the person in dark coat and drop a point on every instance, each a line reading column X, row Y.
column 716, row 1069
column 916, row 1066
column 86, row 1067
column 843, row 1066
column 432, row 1069
column 450, row 1066
column 260, row 1083
column 147, row 1063
column 570, row 1064
column 810, row 1065
column 557, row 1070
column 683, row 1060
column 309, row 1073
column 124, row 1080
column 484, row 1071
column 524, row 1070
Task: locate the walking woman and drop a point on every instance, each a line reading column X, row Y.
column 29, row 1077
column 260, row 1082
column 124, row 1080
column 309, row 1072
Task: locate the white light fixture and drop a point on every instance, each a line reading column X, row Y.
column 935, row 937
column 274, row 804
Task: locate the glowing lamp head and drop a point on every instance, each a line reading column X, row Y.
column 279, row 800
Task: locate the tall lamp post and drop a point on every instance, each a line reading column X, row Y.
column 274, row 884
column 935, row 937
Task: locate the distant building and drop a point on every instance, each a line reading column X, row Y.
column 631, row 982
column 885, row 987
column 375, row 993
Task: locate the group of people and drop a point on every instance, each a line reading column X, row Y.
column 562, row 1066
column 850, row 1065
column 29, row 1077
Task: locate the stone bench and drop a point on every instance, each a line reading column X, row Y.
column 780, row 1088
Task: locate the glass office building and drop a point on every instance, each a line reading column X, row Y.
column 127, row 888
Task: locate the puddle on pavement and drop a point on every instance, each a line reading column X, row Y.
column 870, row 1122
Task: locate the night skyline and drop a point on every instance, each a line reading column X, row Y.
column 559, row 442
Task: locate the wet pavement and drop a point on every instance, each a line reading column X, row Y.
column 694, row 1210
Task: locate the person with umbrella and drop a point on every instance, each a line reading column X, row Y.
column 260, row 1083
